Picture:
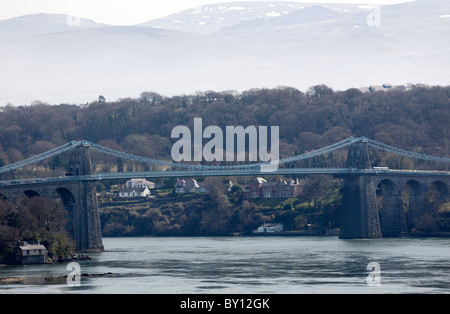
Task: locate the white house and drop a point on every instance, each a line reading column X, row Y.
column 140, row 183
column 135, row 192
column 270, row 228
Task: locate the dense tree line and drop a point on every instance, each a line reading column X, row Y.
column 34, row 219
column 415, row 118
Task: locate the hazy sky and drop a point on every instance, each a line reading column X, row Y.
column 125, row 12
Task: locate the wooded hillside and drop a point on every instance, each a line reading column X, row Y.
column 415, row 118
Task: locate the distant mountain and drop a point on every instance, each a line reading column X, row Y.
column 115, row 61
column 212, row 18
column 237, row 45
column 38, row 24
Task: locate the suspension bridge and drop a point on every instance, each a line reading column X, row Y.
column 361, row 217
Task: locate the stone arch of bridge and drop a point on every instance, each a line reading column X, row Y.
column 67, row 197
column 437, row 196
column 411, row 197
column 31, row 193
column 390, row 205
column 440, row 190
column 3, row 197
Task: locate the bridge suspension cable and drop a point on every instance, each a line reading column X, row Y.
column 32, row 160
column 119, row 154
column 318, row 152
column 402, row 152
column 127, row 156
column 321, row 151
column 336, row 146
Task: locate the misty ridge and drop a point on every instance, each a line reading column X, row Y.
column 229, row 46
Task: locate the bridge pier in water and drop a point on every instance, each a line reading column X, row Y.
column 360, row 218
column 85, row 220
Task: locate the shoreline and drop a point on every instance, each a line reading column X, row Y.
column 332, row 233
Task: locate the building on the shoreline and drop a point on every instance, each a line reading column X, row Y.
column 30, row 253
column 190, row 186
column 270, row 228
column 259, row 187
column 140, row 183
column 134, row 192
column 137, row 188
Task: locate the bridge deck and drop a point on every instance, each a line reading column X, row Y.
column 230, row 172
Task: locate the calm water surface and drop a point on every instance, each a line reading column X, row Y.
column 250, row 265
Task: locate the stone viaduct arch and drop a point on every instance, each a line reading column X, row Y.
column 384, row 204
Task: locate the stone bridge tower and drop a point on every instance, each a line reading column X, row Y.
column 86, row 220
column 360, row 217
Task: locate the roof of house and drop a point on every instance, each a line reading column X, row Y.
column 188, row 183
column 263, row 181
column 260, row 180
column 33, row 246
column 141, row 181
column 271, row 225
column 290, row 182
column 275, row 183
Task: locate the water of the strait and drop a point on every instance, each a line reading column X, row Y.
column 243, row 265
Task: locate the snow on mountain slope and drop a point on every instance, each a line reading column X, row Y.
column 212, row 18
